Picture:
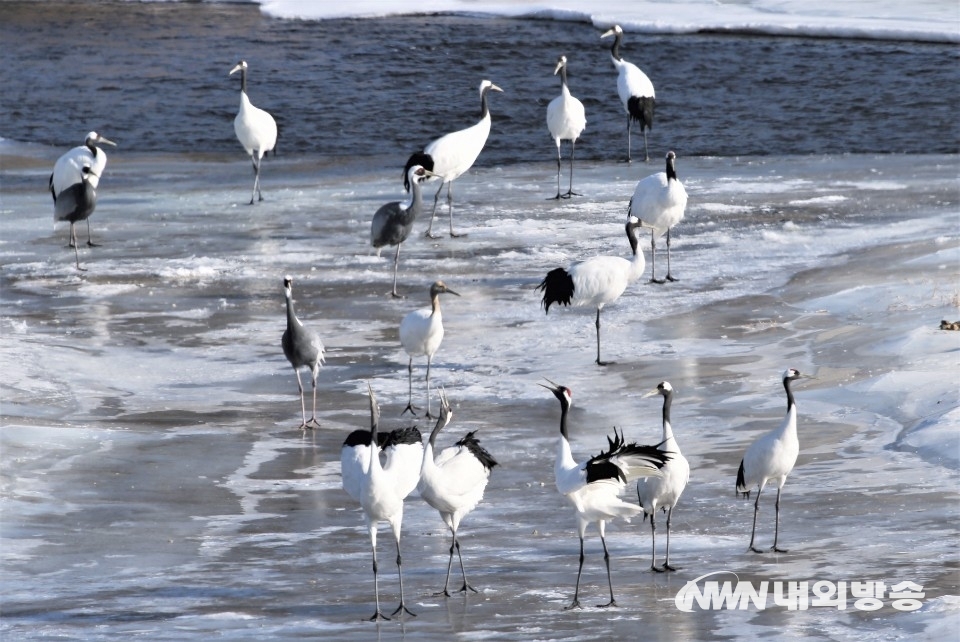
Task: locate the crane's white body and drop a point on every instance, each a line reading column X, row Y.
column 453, row 481
column 380, row 487
column 566, row 120
column 660, row 201
column 68, row 170
column 771, row 458
column 663, row 492
column 256, row 129
column 634, row 89
column 421, row 333
column 631, row 81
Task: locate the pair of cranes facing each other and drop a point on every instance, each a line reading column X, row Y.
column 451, row 481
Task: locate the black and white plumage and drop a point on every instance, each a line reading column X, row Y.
column 662, row 493
column 449, row 156
column 566, row 120
column 303, row 349
column 594, row 486
column 635, row 91
column 595, row 281
column 421, row 333
column 659, row 201
column 770, row 459
column 255, row 128
column 73, row 185
column 381, row 487
column 392, row 223
column 453, row 482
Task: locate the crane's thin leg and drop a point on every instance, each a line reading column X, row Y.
column 313, row 423
column 90, row 242
column 570, row 192
column 73, row 244
column 753, row 531
column 653, row 258
column 466, row 585
column 606, row 560
column 666, row 559
column 428, row 415
column 303, row 409
column 629, row 159
column 599, row 362
column 396, row 262
column 446, row 582
column 576, row 593
column 669, row 276
column 376, row 589
column 450, row 204
column 776, row 528
column 256, row 177
column 402, row 608
column 436, row 199
column 558, row 196
column 646, row 155
column 410, row 407
column 653, row 540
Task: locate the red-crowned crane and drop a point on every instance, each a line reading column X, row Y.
column 449, row 156
column 594, row 486
column 421, row 333
column 770, row 459
column 256, row 129
column 381, row 487
column 635, row 91
column 566, row 120
column 452, row 481
column 659, row 201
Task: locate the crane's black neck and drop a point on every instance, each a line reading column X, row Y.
column 243, row 80
column 484, row 107
column 564, row 408
column 667, row 402
column 615, row 48
column 786, row 386
column 634, row 242
column 671, row 170
column 563, row 76
column 436, row 430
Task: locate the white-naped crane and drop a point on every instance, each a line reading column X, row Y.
column 392, row 223
column 452, row 481
column 449, row 156
column 566, row 120
column 593, row 487
column 256, row 129
column 73, row 185
column 663, row 492
column 381, row 487
column 421, row 333
column 303, row 349
column 635, row 91
column 770, row 459
column 659, row 201
column 595, row 281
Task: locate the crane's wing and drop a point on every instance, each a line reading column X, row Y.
column 404, row 451
column 623, row 462
column 354, row 454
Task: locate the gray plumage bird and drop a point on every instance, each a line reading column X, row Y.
column 303, row 348
column 73, row 185
column 393, row 222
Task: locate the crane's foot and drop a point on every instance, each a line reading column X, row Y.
column 431, row 235
column 313, row 423
column 571, row 194
column 92, row 244
column 612, row 602
column 604, row 363
column 376, row 617
column 666, row 567
column 774, row 549
column 555, row 198
column 657, row 281
column 671, row 278
column 403, row 609
column 444, row 593
column 573, row 605
column 411, row 409
column 397, row 295
column 657, row 569
column 82, row 269
column 755, row 549
column 457, row 235
column 466, row 587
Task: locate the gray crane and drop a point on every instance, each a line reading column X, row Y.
column 303, row 348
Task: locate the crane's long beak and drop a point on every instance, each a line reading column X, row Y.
column 449, row 291
column 239, row 67
column 655, row 391
column 558, row 68
column 427, row 172
column 609, row 32
column 552, row 387
column 495, row 88
column 105, row 141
